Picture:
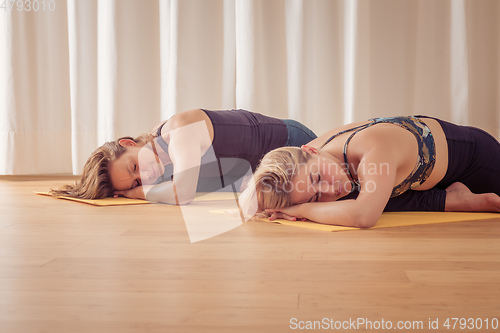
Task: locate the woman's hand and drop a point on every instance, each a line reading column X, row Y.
column 134, row 193
column 291, row 213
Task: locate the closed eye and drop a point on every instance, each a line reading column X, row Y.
column 137, row 182
column 316, row 196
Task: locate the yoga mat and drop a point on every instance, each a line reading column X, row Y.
column 387, row 220
column 392, row 219
column 101, row 202
column 398, row 219
column 127, row 201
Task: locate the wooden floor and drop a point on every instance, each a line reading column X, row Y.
column 70, row 267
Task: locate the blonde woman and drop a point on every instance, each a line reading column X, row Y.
column 395, row 163
column 196, row 150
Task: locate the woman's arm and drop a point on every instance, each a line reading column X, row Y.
column 456, row 198
column 365, row 210
column 345, row 213
column 435, row 200
column 185, row 151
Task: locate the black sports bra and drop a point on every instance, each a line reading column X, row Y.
column 426, row 150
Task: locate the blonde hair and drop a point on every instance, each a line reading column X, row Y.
column 96, row 182
column 273, row 177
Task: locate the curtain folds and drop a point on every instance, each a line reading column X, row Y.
column 90, row 71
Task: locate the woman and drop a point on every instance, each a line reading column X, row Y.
column 194, row 150
column 396, row 163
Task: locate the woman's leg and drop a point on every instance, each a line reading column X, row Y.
column 460, row 199
column 298, row 134
column 484, row 176
column 473, row 159
column 433, row 200
column 456, row 198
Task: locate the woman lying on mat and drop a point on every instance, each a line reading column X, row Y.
column 391, row 164
column 196, row 150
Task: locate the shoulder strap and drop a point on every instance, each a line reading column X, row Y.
column 160, row 140
column 356, row 130
column 158, row 130
column 169, row 172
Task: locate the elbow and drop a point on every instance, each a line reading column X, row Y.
column 184, row 190
column 184, row 202
column 365, row 224
column 365, row 220
column 183, row 199
column 184, row 195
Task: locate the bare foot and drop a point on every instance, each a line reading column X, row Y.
column 460, row 199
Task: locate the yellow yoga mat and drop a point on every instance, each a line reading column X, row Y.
column 398, row 219
column 393, row 219
column 126, row 201
column 101, row 202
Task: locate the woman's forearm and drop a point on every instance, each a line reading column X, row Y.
column 180, row 191
column 162, row 193
column 347, row 213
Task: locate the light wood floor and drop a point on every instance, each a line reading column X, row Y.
column 70, row 267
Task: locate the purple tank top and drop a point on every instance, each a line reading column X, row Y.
column 247, row 135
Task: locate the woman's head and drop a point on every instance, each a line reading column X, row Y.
column 97, row 180
column 273, row 177
column 138, row 165
column 292, row 175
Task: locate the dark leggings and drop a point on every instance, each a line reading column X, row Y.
column 473, row 159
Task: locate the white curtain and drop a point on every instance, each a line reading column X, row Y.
column 83, row 72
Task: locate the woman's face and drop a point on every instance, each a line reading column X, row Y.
column 322, row 178
column 137, row 166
